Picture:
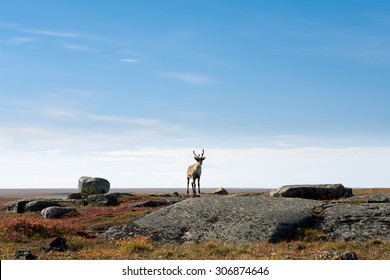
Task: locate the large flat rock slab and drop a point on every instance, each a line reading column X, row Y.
column 318, row 192
column 227, row 219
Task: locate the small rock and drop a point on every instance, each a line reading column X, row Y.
column 17, row 206
column 56, row 212
column 25, row 254
column 149, row 203
column 75, row 196
column 339, row 255
column 103, row 199
column 58, row 245
column 221, row 191
column 39, row 205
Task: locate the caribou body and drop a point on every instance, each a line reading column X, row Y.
column 193, row 173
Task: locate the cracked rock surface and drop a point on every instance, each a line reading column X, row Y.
column 256, row 218
column 357, row 222
column 226, row 218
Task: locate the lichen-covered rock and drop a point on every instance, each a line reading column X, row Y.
column 55, row 212
column 93, row 185
column 39, row 205
column 224, row 218
column 357, row 222
column 17, row 206
column 317, row 192
column 103, row 199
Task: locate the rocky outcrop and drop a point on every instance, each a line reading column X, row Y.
column 93, row 185
column 317, row 192
column 257, row 218
column 56, row 212
column 224, row 218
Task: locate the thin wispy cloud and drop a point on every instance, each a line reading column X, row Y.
column 124, row 120
column 131, row 60
column 51, row 33
column 77, row 92
column 80, row 48
column 189, row 78
column 21, row 40
column 59, row 34
column 60, row 113
column 287, row 136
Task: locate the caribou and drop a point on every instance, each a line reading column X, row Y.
column 194, row 171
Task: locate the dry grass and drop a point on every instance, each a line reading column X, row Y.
column 30, row 230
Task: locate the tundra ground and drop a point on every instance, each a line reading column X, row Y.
column 31, row 230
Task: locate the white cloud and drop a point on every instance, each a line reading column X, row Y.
column 60, row 113
column 118, row 119
column 78, row 92
column 80, row 48
column 287, row 136
column 21, row 40
column 190, row 78
column 50, row 33
column 131, row 60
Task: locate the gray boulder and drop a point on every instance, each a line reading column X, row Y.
column 93, row 185
column 318, row 192
column 103, row 199
column 17, row 206
column 55, row 212
column 39, row 205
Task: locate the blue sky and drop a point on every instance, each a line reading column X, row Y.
column 276, row 92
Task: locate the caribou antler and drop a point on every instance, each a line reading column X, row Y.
column 200, row 155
